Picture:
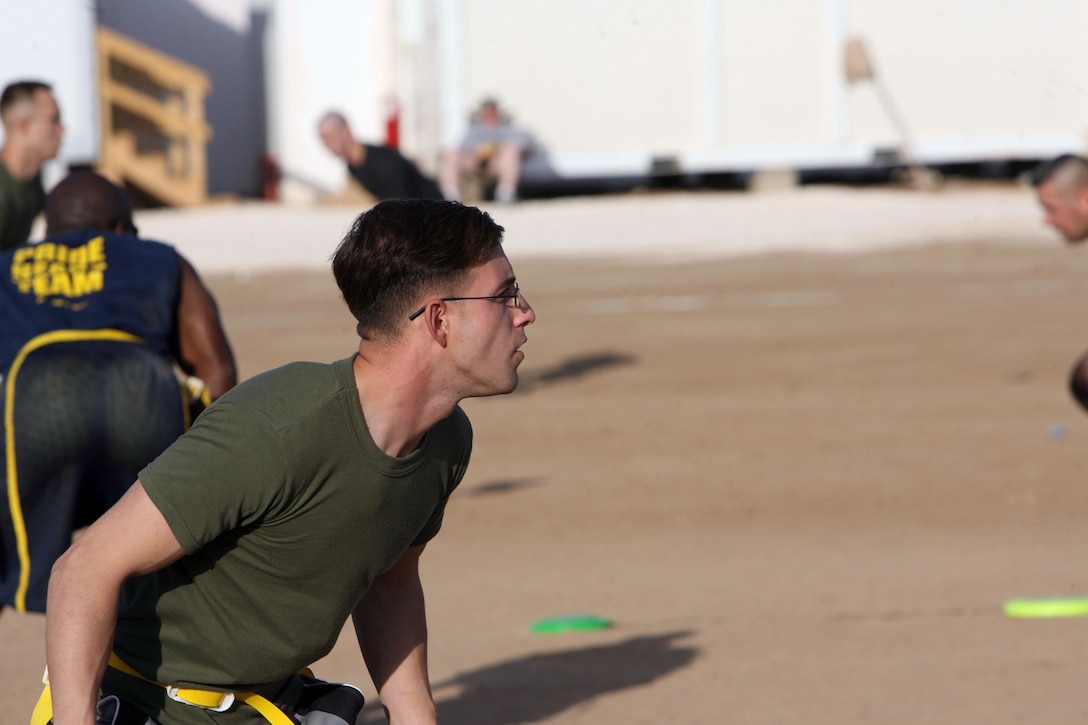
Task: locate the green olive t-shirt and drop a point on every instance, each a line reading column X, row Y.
column 20, row 202
column 287, row 510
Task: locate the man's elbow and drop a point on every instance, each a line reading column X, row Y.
column 64, row 572
column 224, row 377
column 211, row 360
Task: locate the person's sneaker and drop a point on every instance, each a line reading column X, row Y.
column 506, row 194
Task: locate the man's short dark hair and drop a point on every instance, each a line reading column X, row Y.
column 402, row 249
column 1066, row 164
column 18, row 92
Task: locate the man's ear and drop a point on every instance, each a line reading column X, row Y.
column 437, row 320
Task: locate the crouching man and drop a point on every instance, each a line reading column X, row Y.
column 302, row 497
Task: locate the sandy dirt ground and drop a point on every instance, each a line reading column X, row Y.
column 801, row 486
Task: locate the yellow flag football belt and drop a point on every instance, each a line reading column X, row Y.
column 213, row 700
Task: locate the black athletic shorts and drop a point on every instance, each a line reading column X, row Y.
column 80, row 421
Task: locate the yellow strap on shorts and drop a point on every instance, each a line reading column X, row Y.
column 22, row 545
column 207, row 699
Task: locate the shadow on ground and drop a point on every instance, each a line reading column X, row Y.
column 501, row 486
column 572, row 369
column 537, row 687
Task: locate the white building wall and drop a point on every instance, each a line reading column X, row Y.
column 779, row 73
column 606, row 86
column 722, row 84
column 610, row 75
column 718, row 85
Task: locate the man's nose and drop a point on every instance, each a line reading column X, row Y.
column 524, row 306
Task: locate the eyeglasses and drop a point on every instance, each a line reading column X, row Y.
column 513, row 297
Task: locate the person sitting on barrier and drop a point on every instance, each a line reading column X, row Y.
column 492, row 144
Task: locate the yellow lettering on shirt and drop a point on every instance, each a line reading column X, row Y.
column 21, row 273
column 59, row 275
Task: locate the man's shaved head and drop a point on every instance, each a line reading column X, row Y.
column 1062, row 187
column 85, row 200
column 1065, row 171
column 17, row 100
column 335, row 133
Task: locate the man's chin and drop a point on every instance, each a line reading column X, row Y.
column 505, row 388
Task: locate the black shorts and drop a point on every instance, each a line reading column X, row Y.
column 82, row 419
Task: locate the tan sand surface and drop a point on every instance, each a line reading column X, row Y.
column 800, row 484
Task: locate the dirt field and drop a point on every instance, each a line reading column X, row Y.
column 802, row 487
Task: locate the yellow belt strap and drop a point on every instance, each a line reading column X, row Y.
column 43, row 711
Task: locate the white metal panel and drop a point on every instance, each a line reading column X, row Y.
column 610, row 76
column 971, row 74
column 716, row 84
column 776, row 80
column 453, row 95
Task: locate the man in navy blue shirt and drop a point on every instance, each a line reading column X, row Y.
column 103, row 336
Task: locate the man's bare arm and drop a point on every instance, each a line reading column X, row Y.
column 131, row 538
column 391, row 624
column 201, row 337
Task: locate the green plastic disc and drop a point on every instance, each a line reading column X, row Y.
column 1047, row 607
column 570, row 623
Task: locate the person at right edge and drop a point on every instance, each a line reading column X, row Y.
column 1061, row 186
column 302, row 497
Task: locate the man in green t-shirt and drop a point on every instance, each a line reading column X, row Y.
column 302, row 497
column 32, row 134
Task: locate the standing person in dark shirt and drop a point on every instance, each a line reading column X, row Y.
column 32, row 134
column 382, row 171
